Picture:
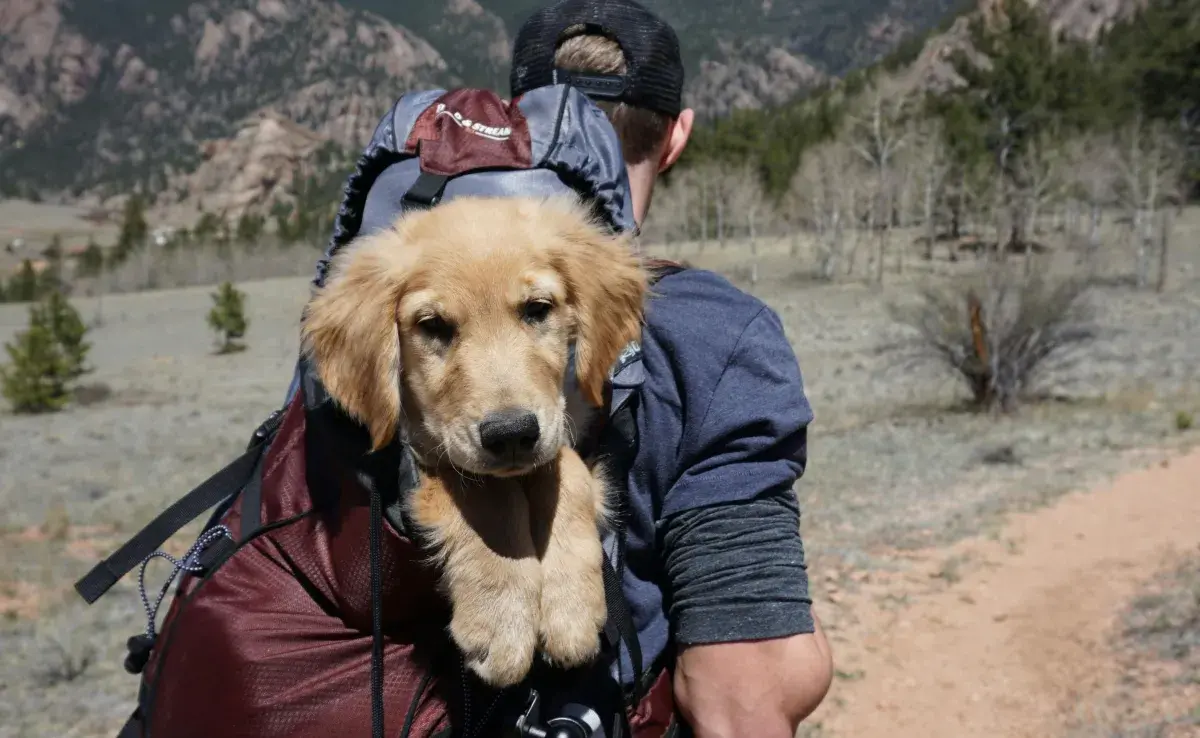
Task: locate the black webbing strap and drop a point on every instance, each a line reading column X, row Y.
column 135, row 726
column 619, row 625
column 426, row 191
column 252, row 504
column 211, row 492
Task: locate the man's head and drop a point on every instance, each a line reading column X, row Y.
column 628, row 61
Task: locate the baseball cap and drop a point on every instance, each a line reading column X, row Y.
column 654, row 68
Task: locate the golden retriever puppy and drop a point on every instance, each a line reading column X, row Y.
column 453, row 328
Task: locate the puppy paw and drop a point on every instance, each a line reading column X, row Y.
column 573, row 614
column 497, row 643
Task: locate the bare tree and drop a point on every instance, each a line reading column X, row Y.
column 1164, row 240
column 822, row 194
column 933, row 163
column 1090, row 162
column 1148, row 163
column 878, row 134
column 743, row 198
column 1038, row 172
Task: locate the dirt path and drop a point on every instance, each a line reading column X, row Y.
column 1007, row 637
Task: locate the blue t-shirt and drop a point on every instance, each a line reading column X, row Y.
column 722, row 424
column 722, row 418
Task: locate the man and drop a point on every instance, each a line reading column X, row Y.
column 716, row 570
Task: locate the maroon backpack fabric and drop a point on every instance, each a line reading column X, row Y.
column 275, row 639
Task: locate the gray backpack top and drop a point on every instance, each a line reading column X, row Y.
column 436, row 145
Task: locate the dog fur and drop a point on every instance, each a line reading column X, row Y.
column 460, row 312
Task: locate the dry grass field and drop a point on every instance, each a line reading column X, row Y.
column 900, row 474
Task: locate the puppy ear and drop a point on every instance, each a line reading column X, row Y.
column 605, row 286
column 350, row 331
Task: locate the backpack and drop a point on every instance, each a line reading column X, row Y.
column 281, row 623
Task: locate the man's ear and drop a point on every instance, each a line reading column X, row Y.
column 605, row 286
column 677, row 139
column 350, row 331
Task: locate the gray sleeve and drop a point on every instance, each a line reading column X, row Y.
column 736, row 571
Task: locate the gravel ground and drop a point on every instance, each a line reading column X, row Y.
column 1158, row 644
column 894, row 462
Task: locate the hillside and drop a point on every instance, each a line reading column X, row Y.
column 219, row 104
column 1060, row 69
column 93, row 94
column 98, row 97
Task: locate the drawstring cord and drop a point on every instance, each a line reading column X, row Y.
column 189, row 563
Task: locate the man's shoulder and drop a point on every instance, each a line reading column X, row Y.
column 699, row 311
column 724, row 411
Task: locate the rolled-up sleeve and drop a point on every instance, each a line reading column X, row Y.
column 730, row 526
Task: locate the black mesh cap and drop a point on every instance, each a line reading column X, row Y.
column 654, row 68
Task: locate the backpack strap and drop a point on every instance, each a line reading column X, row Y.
column 214, row 490
column 627, row 377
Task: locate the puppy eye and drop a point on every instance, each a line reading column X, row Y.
column 437, row 328
column 536, row 311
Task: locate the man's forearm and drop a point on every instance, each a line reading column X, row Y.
column 762, row 689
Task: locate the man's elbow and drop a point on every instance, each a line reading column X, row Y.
column 764, row 688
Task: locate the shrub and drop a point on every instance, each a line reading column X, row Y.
column 35, row 381
column 91, row 261
column 46, row 357
column 61, row 653
column 69, row 331
column 997, row 332
column 228, row 317
column 1184, row 421
column 25, row 285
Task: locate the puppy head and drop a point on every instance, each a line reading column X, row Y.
column 457, row 323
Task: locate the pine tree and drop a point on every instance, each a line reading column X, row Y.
column 69, row 331
column 25, row 285
column 228, row 318
column 52, row 277
column 35, row 380
column 91, row 261
column 134, row 229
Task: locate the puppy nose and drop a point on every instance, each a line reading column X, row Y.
column 506, row 432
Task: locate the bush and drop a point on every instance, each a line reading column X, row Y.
column 26, row 285
column 228, row 317
column 1184, row 421
column 91, row 261
column 998, row 332
column 46, row 357
column 69, row 331
column 61, row 652
column 35, row 381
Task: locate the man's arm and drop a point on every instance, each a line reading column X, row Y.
column 711, row 685
column 752, row 660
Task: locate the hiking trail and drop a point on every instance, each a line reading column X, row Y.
column 1009, row 635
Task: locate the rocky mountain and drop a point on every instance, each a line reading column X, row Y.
column 183, row 98
column 93, row 93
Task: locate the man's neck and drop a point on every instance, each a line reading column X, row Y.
column 642, row 177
